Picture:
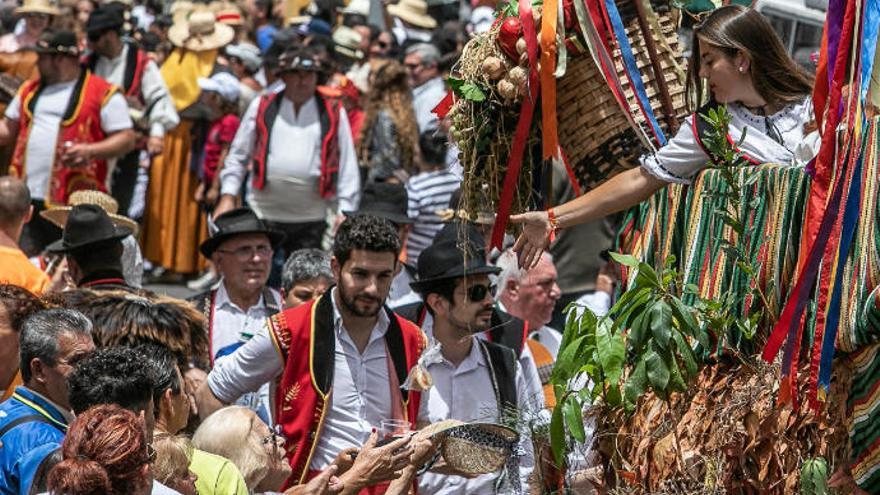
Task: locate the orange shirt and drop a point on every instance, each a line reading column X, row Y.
column 17, row 269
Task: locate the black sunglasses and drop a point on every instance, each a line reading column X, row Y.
column 94, row 36
column 476, row 293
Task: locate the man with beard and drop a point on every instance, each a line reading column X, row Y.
column 476, row 380
column 241, row 249
column 340, row 361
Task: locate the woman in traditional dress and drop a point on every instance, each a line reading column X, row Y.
column 174, row 225
column 766, row 93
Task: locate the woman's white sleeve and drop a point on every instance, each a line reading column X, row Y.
column 681, row 158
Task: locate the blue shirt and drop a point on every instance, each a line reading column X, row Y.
column 24, row 447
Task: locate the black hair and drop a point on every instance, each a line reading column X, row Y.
column 433, row 144
column 97, row 257
column 443, row 288
column 365, row 232
column 266, row 7
column 354, row 19
column 115, row 375
column 162, row 361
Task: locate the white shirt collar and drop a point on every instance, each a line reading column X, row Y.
column 428, row 85
column 221, row 299
column 66, row 413
column 472, row 361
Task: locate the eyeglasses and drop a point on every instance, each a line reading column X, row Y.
column 151, row 453
column 276, row 438
column 476, row 293
column 246, row 253
column 412, row 66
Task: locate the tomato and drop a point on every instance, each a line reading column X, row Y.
column 511, row 31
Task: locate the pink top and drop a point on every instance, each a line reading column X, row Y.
column 221, row 133
column 12, row 43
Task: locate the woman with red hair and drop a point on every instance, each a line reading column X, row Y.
column 105, row 452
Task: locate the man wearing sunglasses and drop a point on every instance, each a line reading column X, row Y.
column 241, row 249
column 121, row 63
column 475, row 380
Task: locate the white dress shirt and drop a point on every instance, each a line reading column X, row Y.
column 466, row 393
column 293, row 166
column 163, row 116
column 46, row 127
column 232, row 327
column 361, row 396
column 425, row 98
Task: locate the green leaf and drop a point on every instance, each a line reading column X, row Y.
column 557, row 434
column 676, row 382
column 625, row 259
column 574, row 418
column 568, row 360
column 687, row 355
column 638, row 331
column 472, row 92
column 454, row 84
column 611, row 351
column 661, row 324
column 658, row 372
column 635, row 386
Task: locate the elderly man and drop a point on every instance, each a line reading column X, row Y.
column 33, row 422
column 422, row 61
column 306, row 275
column 130, row 69
column 66, row 125
column 303, row 156
column 476, row 380
column 241, row 250
column 359, row 349
column 531, row 296
column 15, row 211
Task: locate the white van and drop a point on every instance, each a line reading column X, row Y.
column 799, row 24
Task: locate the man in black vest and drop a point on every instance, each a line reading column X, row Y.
column 473, row 379
column 121, row 63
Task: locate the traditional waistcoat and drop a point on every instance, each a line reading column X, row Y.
column 133, row 74
column 306, row 340
column 328, row 113
column 81, row 123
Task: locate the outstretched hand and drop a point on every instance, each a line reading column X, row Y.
column 533, row 240
column 375, row 464
column 325, row 483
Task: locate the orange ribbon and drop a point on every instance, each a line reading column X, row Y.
column 548, row 80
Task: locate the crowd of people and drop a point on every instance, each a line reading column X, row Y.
column 290, row 172
column 286, row 163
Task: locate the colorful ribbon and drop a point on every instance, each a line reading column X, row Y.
column 550, row 137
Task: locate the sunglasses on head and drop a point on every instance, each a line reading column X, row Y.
column 478, row 292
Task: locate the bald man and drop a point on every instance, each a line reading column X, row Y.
column 15, row 211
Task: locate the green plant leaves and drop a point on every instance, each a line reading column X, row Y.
column 661, row 324
column 557, row 434
column 574, row 418
column 658, row 372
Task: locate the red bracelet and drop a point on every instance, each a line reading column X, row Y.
column 554, row 224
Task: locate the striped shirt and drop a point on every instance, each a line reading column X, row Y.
column 428, row 192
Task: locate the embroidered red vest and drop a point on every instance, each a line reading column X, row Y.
column 328, row 113
column 133, row 75
column 81, row 124
column 305, row 339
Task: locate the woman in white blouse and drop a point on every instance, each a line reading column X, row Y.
column 765, row 91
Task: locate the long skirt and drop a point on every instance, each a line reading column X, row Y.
column 174, row 225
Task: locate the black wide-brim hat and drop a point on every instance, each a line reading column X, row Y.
column 106, row 17
column 87, row 225
column 446, row 260
column 236, row 222
column 384, row 200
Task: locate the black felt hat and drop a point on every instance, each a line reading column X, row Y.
column 384, row 200
column 236, row 222
column 87, row 224
column 106, row 17
column 61, row 41
column 448, row 259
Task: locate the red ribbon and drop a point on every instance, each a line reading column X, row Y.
column 520, row 137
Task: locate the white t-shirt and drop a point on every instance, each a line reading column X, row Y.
column 48, row 113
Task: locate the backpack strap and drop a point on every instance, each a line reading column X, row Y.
column 502, row 367
column 30, row 418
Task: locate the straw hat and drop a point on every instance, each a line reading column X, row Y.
column 473, row 448
column 230, row 15
column 414, row 12
column 58, row 215
column 37, row 7
column 200, row 32
column 180, row 10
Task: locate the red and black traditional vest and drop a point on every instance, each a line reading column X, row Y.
column 135, row 63
column 306, row 340
column 81, row 123
column 328, row 114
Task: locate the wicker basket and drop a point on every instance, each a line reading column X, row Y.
column 594, row 133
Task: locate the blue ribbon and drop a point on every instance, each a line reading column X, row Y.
column 870, row 28
column 632, row 69
column 850, row 220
